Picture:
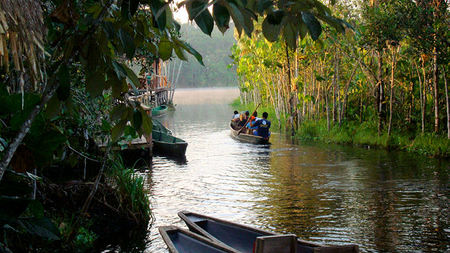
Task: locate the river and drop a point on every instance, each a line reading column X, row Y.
column 332, row 194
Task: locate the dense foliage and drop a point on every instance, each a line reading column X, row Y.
column 386, row 76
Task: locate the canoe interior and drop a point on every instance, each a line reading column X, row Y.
column 237, row 238
column 249, row 138
column 242, row 238
column 182, row 241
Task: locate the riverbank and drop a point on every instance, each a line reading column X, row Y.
column 356, row 133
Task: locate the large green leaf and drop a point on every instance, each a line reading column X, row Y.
column 262, row 5
column 314, row 27
column 192, row 51
column 127, row 43
column 270, row 31
column 147, row 124
column 117, row 130
column 159, row 9
column 137, row 119
column 221, row 16
column 134, row 80
column 290, row 34
column 194, row 8
column 95, row 83
column 205, row 21
column 165, row 49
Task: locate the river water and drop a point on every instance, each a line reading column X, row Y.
column 332, row 194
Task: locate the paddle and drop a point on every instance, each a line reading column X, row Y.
column 249, row 117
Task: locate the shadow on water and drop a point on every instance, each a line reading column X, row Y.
column 333, row 194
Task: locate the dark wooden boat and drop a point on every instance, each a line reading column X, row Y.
column 183, row 241
column 168, row 145
column 249, row 138
column 243, row 238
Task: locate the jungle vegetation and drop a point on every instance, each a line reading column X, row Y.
column 64, row 90
column 381, row 82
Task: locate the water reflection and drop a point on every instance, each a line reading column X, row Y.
column 383, row 201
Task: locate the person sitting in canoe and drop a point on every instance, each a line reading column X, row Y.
column 262, row 126
column 236, row 115
column 243, row 118
column 252, row 120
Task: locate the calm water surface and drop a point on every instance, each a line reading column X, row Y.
column 382, row 201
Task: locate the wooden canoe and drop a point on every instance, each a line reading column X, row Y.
column 183, row 241
column 248, row 138
column 167, row 145
column 242, row 238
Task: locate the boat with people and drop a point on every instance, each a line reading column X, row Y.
column 240, row 135
column 245, row 238
column 250, row 129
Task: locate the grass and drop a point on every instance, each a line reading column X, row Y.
column 364, row 133
column 130, row 188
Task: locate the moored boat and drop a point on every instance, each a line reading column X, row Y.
column 183, row 241
column 168, row 145
column 160, row 110
column 243, row 238
column 249, row 138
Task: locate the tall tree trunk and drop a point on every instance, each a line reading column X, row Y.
column 447, row 102
column 436, row 90
column 327, row 109
column 347, row 85
column 380, row 92
column 394, row 54
column 421, row 95
column 333, row 112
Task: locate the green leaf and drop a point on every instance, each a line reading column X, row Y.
column 53, row 107
column 137, row 119
column 134, row 80
column 147, row 124
column 194, row 8
column 180, row 53
column 95, row 83
column 159, row 9
column 127, row 43
column 221, row 16
column 290, row 33
column 262, row 5
column 118, row 111
column 314, row 27
column 192, row 51
column 205, row 21
column 237, row 16
column 272, row 25
column 165, row 49
column 63, row 90
column 117, row 130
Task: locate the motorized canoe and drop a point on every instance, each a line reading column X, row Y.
column 168, row 145
column 160, row 110
column 243, row 238
column 183, row 241
column 249, row 138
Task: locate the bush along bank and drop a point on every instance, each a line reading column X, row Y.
column 357, row 133
column 64, row 217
